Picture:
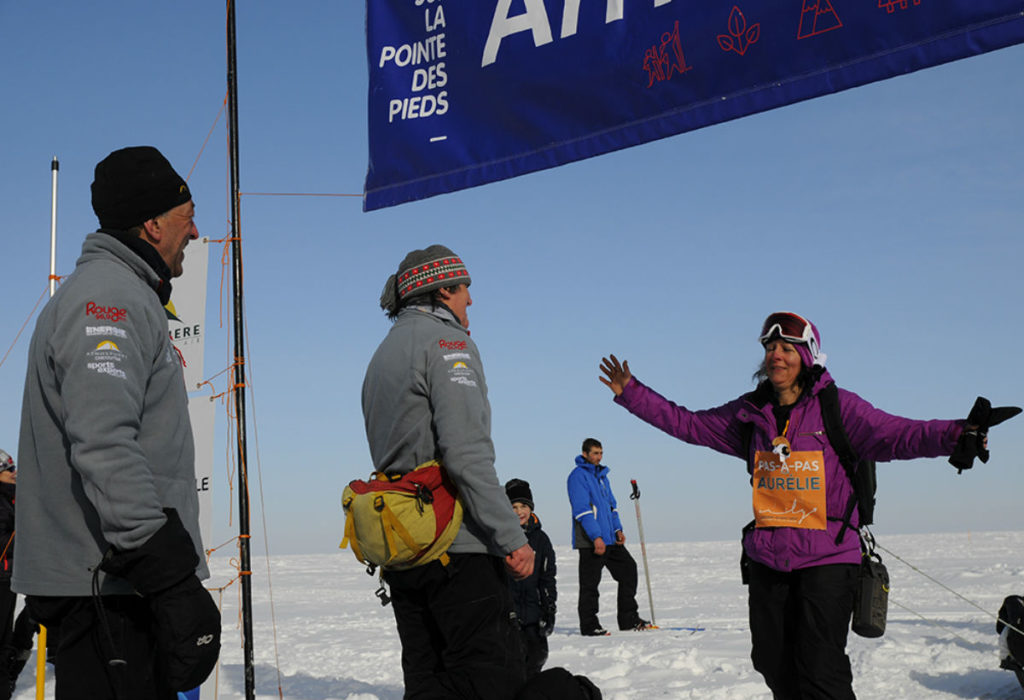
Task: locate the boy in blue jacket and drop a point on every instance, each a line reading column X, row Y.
column 597, row 535
column 533, row 597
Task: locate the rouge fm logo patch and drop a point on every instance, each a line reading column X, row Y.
column 105, row 313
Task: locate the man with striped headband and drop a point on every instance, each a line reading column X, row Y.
column 425, row 398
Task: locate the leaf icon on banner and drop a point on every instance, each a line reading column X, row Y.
column 753, row 34
column 737, row 22
column 743, row 36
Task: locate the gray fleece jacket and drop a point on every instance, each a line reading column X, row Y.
column 105, row 441
column 424, row 398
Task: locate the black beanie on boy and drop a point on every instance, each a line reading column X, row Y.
column 518, row 491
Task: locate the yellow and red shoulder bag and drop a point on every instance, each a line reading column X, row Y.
column 398, row 521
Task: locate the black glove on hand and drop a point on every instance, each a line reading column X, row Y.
column 974, row 443
column 188, row 633
column 186, row 620
column 547, row 620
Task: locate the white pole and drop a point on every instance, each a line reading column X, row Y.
column 41, row 639
column 54, row 167
column 635, row 497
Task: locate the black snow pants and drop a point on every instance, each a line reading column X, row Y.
column 459, row 636
column 87, row 643
column 799, row 621
column 535, row 645
column 622, row 567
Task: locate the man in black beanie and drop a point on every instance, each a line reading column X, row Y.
column 109, row 552
column 137, row 192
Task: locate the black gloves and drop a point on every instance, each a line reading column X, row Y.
column 547, row 620
column 186, row 620
column 188, row 633
column 973, row 443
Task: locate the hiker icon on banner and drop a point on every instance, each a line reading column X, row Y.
column 789, row 487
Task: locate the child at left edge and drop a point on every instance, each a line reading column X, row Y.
column 533, row 598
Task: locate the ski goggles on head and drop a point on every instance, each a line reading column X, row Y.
column 791, row 327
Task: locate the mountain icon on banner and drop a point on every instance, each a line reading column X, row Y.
column 817, row 17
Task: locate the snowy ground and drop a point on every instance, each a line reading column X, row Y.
column 334, row 641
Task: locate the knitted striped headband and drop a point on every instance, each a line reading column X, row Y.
column 423, row 271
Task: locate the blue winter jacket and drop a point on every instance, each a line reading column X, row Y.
column 594, row 512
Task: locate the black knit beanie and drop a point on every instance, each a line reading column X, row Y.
column 518, row 491
column 133, row 185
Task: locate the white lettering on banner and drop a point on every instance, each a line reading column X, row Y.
column 431, row 49
column 184, row 333
column 535, row 20
column 571, row 15
column 437, row 21
column 433, row 77
column 426, row 57
column 419, row 106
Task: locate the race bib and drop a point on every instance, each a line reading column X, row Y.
column 789, row 488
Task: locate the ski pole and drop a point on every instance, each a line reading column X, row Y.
column 635, row 497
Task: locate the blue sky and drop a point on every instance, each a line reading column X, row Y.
column 889, row 214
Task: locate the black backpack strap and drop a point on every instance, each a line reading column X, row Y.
column 759, row 397
column 746, row 437
column 828, row 398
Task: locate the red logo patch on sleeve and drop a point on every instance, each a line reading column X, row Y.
column 105, row 313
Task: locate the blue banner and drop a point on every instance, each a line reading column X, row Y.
column 465, row 92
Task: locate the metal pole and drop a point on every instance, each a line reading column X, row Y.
column 54, row 167
column 41, row 638
column 239, row 373
column 635, row 497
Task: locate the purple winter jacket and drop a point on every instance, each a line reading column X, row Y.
column 873, row 433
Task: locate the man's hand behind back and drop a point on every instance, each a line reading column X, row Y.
column 519, row 563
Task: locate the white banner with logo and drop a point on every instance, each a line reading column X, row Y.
column 186, row 319
column 186, row 311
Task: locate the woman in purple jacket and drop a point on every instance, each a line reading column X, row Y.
column 802, row 575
